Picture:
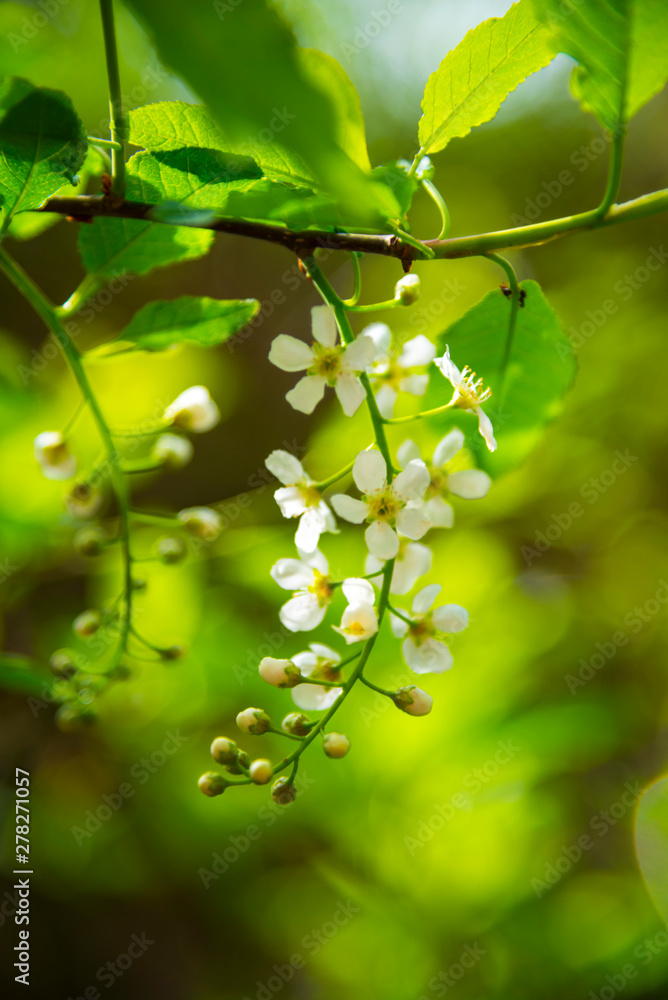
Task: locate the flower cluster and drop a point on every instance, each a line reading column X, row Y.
column 397, row 501
column 109, row 639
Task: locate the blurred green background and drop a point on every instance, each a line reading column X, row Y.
column 420, row 866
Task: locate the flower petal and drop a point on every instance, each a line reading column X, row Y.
column 287, row 469
column 358, row 591
column 370, row 472
column 439, row 512
column 413, row 523
column 325, row 652
column 358, row 623
column 315, row 559
column 311, row 526
column 323, row 325
column 350, row 392
column 418, row 351
column 292, row 574
column 381, row 335
column 412, row 562
column 416, row 385
column 424, row 598
column 412, row 482
column 406, row 452
column 448, row 447
column 307, row 393
column 349, row 509
column 386, row 397
column 469, row 484
column 398, row 625
column 359, row 354
column 302, row 613
column 486, row 429
column 430, row 657
column 290, row 499
column 290, row 354
column 448, row 368
column 381, row 540
column 312, row 698
column 306, row 661
column 450, row 618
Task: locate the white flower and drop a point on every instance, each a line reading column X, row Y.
column 468, row 394
column 422, row 652
column 202, row 522
column 299, row 498
column 173, row 450
column 391, row 368
column 359, row 621
column 193, row 410
column 388, row 508
column 413, row 700
column 469, row 484
column 326, row 363
column 319, row 663
column 413, row 560
column 54, row 457
column 280, row 673
column 309, row 578
column 407, row 290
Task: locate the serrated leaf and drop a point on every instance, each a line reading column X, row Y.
column 621, row 47
column 651, row 835
column 42, row 145
column 188, row 319
column 540, row 369
column 328, row 76
column 242, row 61
column 474, row 79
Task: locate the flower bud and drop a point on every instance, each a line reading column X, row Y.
column 254, row 721
column 172, row 652
column 53, row 455
column 70, row 719
column 62, row 663
column 202, row 522
column 413, row 700
column 193, row 410
column 138, row 583
column 240, row 764
column 171, row 549
column 83, row 500
column 425, row 170
column 407, row 290
column 212, row 784
column 280, row 673
column 335, row 744
column 121, row 672
column 297, row 724
column 261, row 771
column 173, row 450
column 87, row 623
column 283, row 791
column 224, row 751
column 89, row 541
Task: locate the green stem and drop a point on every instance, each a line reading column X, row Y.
column 49, row 315
column 438, row 198
column 374, row 687
column 373, row 306
column 357, row 277
column 416, row 416
column 106, row 143
column 614, row 173
column 400, row 614
column 354, row 677
column 347, row 335
column 515, row 302
column 115, row 99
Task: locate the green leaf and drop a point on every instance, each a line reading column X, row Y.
column 541, row 367
column 242, row 60
column 42, row 145
column 23, row 675
column 189, row 319
column 621, row 47
column 175, row 125
column 395, row 176
column 651, row 834
column 474, row 79
column 330, row 78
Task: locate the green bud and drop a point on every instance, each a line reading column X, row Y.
column 254, row 721
column 283, row 791
column 297, row 724
column 70, row 719
column 87, row 623
column 89, row 541
column 240, row 764
column 139, row 584
column 62, row 664
column 224, row 751
column 171, row 549
column 407, row 290
column 172, row 652
column 335, row 744
column 121, row 672
column 212, row 784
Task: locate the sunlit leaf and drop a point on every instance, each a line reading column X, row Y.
column 188, row 319
column 474, row 79
column 652, row 842
column 540, row 369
